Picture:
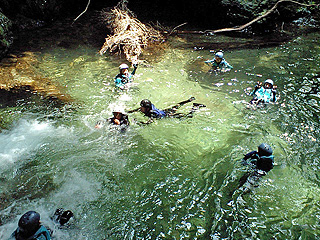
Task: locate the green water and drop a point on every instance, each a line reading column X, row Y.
column 173, row 179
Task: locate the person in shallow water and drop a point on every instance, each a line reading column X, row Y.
column 124, row 76
column 219, row 63
column 264, row 94
column 29, row 228
column 119, row 119
column 261, row 161
column 149, row 110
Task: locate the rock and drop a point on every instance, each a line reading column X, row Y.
column 18, row 75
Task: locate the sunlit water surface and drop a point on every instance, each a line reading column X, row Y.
column 175, row 178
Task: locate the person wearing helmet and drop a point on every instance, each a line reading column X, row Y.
column 124, row 76
column 149, row 110
column 219, row 63
column 260, row 163
column 261, row 159
column 264, row 94
column 119, row 119
column 29, row 227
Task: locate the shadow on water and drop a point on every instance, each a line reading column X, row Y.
column 173, row 179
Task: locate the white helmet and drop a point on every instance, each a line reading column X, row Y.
column 219, row 54
column 118, row 110
column 269, row 81
column 123, row 66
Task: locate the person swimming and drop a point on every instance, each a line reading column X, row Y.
column 150, row 110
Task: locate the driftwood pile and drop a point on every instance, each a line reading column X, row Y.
column 129, row 35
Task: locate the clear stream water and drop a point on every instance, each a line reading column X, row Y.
column 175, row 178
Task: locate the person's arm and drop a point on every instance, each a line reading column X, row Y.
column 209, row 62
column 274, row 93
column 258, row 86
column 249, row 155
column 227, row 65
column 146, row 123
column 126, row 120
column 135, row 66
column 134, row 110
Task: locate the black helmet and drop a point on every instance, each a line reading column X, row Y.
column 29, row 223
column 264, row 150
column 145, row 103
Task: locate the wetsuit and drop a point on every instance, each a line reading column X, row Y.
column 264, row 95
column 171, row 112
column 123, row 121
column 156, row 113
column 41, row 234
column 215, row 65
column 120, row 80
column 261, row 165
column 264, row 163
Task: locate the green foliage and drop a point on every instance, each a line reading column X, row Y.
column 5, row 33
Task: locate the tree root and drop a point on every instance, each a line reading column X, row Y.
column 128, row 33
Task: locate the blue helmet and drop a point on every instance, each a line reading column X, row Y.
column 219, row 54
column 264, row 150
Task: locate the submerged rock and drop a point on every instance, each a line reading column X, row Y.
column 19, row 79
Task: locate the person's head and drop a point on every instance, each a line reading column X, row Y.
column 264, row 150
column 118, row 112
column 145, row 105
column 124, row 69
column 29, row 224
column 268, row 84
column 219, row 56
column 117, row 115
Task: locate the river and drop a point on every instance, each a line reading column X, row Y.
column 174, row 178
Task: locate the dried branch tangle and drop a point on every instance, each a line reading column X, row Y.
column 128, row 33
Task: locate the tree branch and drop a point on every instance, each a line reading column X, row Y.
column 251, row 22
column 82, row 12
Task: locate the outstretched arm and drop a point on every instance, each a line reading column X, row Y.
column 259, row 84
column 274, row 93
column 134, row 110
column 135, row 66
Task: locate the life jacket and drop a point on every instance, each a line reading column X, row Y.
column 41, row 234
column 264, row 94
column 265, row 163
column 156, row 113
column 123, row 121
column 123, row 79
